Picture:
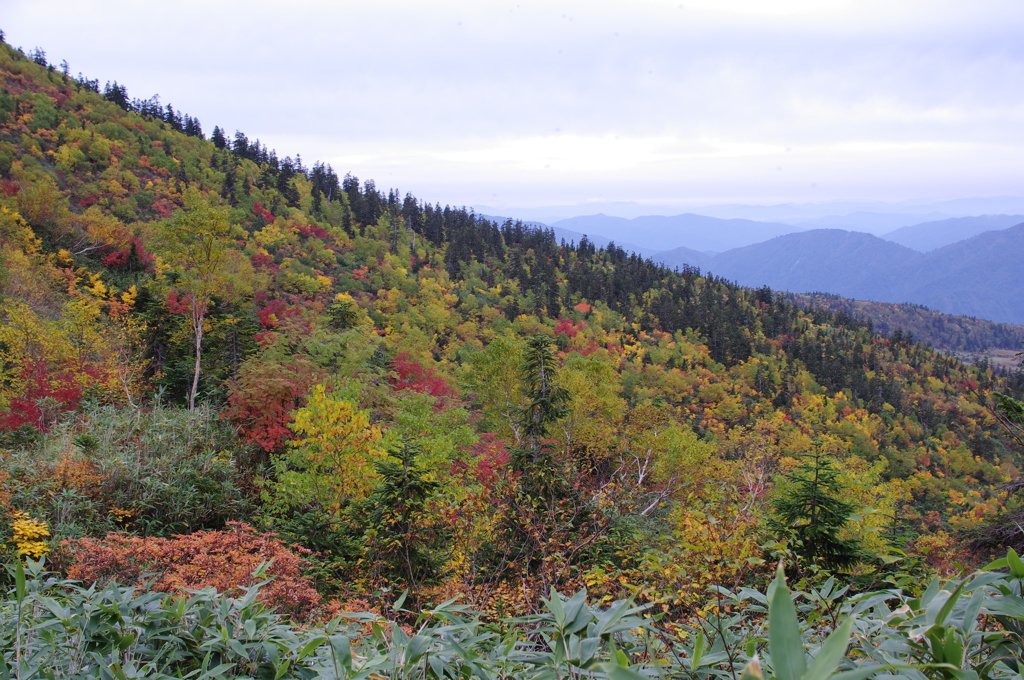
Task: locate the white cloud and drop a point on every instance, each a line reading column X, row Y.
column 572, row 99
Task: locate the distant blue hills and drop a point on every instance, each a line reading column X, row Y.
column 972, row 266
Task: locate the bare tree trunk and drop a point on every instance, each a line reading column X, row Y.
column 198, row 312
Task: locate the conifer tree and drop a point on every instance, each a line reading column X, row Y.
column 811, row 513
column 401, row 540
column 218, row 138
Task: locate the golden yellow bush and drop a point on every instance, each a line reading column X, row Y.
column 29, row 535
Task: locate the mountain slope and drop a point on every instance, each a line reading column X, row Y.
column 948, row 332
column 677, row 258
column 336, row 322
column 982, row 276
column 931, row 235
column 848, row 263
column 871, row 222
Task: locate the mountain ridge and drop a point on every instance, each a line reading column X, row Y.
column 976, row 277
column 928, row 236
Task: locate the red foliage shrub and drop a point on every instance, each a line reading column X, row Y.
column 264, row 261
column 9, row 187
column 260, row 211
column 133, row 258
column 88, row 200
column 311, row 231
column 176, row 305
column 264, row 397
column 492, row 459
column 275, row 311
column 412, row 375
column 29, row 408
column 568, row 327
column 222, row 559
column 162, row 207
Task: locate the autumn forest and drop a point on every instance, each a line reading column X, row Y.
column 422, row 432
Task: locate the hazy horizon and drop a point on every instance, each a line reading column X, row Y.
column 686, row 104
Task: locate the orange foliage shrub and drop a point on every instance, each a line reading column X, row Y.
column 222, row 559
column 75, row 472
column 5, row 490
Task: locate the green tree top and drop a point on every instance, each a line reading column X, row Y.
column 195, row 243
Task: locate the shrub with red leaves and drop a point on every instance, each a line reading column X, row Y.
column 59, row 389
column 176, row 305
column 9, row 187
column 568, row 327
column 311, row 231
column 264, row 261
column 225, row 560
column 275, row 311
column 133, row 258
column 412, row 375
column 260, row 211
column 492, row 460
column 265, row 396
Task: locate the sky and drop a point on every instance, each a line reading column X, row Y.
column 519, row 104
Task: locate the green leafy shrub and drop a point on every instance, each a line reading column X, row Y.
column 967, row 629
column 158, row 472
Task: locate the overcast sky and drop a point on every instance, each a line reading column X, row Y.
column 528, row 103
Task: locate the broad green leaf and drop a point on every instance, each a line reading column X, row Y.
column 1005, row 605
column 397, row 606
column 1016, row 566
column 415, row 650
column 698, row 651
column 308, row 648
column 19, row 579
column 618, row 672
column 577, row 613
column 784, row 641
column 947, row 607
column 341, row 648
column 929, row 592
column 953, row 649
column 861, row 673
column 832, row 652
column 554, row 606
column 283, row 669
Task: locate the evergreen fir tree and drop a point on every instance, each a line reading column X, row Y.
column 811, row 513
column 401, row 541
column 218, row 138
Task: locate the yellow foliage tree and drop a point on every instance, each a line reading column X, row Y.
column 330, row 464
column 195, row 242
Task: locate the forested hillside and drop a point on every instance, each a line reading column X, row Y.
column 962, row 334
column 202, row 342
column 974, row 277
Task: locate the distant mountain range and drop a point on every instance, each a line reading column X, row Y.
column 971, row 266
column 871, row 222
column 654, row 235
column 931, row 235
column 791, row 213
column 982, row 276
